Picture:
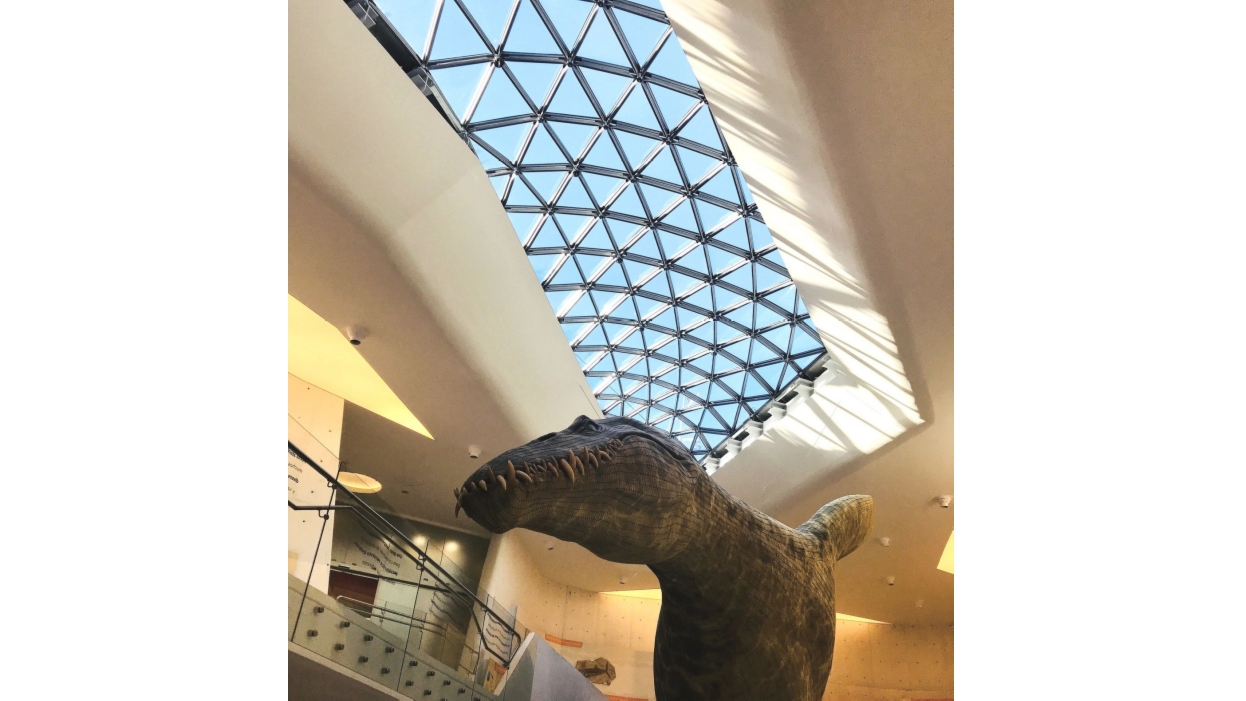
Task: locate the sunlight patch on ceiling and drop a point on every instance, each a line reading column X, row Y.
column 945, row 562
column 320, row 355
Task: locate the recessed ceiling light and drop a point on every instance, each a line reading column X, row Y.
column 357, row 483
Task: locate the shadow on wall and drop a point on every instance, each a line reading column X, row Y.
column 773, row 133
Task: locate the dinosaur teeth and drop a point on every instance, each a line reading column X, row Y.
column 510, row 470
column 575, row 461
column 523, row 477
column 458, row 506
column 567, row 468
column 483, row 487
column 591, row 458
column 502, row 481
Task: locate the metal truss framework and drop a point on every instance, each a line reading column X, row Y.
column 643, row 233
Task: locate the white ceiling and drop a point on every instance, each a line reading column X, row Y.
column 394, row 225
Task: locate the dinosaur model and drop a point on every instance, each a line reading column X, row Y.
column 748, row 604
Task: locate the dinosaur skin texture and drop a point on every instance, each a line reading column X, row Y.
column 748, row 604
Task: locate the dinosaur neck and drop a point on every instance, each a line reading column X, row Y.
column 732, row 549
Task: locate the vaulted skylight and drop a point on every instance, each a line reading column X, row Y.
column 639, row 225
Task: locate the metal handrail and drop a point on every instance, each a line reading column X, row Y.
column 411, row 619
column 367, row 513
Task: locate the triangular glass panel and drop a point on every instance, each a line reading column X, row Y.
column 721, row 186
column 645, row 246
column 637, row 271
column 597, row 237
column 658, row 286
column 655, row 339
column 636, row 110
column 762, row 353
column 628, row 203
column 682, row 217
column 682, row 283
column 674, row 245
column 766, row 317
column 542, row 264
column 635, row 147
column 548, row 236
column 724, row 298
column 592, row 264
column 753, row 387
column 544, row 183
column 500, row 99
column 573, row 331
column 760, row 234
column 604, row 154
column 521, row 196
column 602, row 186
column 569, row 98
column 572, row 224
column 559, row 301
column 721, row 260
column 574, row 195
column 712, row 216
column 662, row 167
column 672, row 63
column 601, row 44
column 458, row 85
column 770, row 373
column 573, row 136
column 735, row 235
column 606, row 87
column 642, row 34
column 568, row 274
column 499, row 183
column 657, row 198
column 612, row 276
column 725, row 332
column 775, row 257
column 625, row 310
column 522, row 221
column 701, row 298
column 704, row 362
column 724, row 364
column 705, row 332
column 739, row 349
column 505, row 140
column 528, row 33
column 542, row 150
column 741, row 277
column 582, row 308
column 487, row 160
column 606, row 302
column 735, row 382
column 455, row 36
column 674, row 105
column 696, row 165
column 701, row 129
column 645, row 307
column 631, row 341
column 802, row 342
column 587, row 358
column 767, row 278
column 615, row 332
column 784, row 298
column 779, row 337
column 666, row 319
column 411, row 18
column 568, row 17
column 489, row 17
column 742, row 316
column 534, row 78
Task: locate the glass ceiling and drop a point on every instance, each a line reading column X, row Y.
column 639, row 225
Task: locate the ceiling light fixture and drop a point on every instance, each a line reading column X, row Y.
column 357, row 483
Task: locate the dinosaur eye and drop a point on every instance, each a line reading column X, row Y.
column 583, row 424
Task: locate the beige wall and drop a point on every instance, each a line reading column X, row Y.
column 315, row 426
column 872, row 661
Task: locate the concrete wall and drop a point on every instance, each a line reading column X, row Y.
column 872, row 661
column 315, row 426
column 891, row 662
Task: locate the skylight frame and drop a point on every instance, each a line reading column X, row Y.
column 686, row 350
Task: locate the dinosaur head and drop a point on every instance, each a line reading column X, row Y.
column 616, row 486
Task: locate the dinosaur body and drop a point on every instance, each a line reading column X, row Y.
column 748, row 604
